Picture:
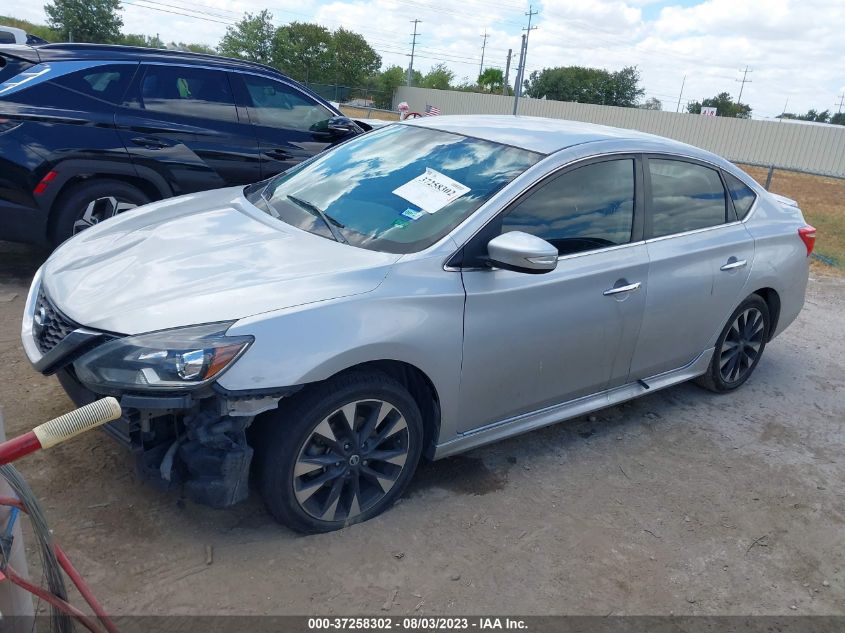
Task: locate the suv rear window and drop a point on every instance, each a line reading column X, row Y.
column 108, row 83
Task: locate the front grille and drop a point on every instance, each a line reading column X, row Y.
column 49, row 326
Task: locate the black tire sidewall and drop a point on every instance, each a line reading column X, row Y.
column 719, row 383
column 71, row 205
column 287, row 428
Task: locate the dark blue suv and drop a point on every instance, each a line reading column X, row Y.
column 88, row 130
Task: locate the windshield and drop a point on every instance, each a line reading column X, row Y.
column 398, row 189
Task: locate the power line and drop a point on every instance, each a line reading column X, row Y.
column 413, row 45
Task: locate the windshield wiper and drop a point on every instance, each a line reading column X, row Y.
column 329, row 221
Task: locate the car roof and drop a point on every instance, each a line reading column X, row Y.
column 63, row 52
column 546, row 136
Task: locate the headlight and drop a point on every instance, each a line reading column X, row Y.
column 171, row 359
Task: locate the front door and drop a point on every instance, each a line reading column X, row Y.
column 181, row 121
column 290, row 125
column 700, row 261
column 531, row 341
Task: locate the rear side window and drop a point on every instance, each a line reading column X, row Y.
column 193, row 92
column 108, row 83
column 584, row 209
column 685, row 197
column 7, row 38
column 741, row 194
column 275, row 104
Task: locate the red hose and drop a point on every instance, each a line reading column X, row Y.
column 17, row 447
column 57, row 602
column 83, row 588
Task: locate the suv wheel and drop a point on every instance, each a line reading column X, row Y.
column 87, row 204
column 341, row 452
column 739, row 347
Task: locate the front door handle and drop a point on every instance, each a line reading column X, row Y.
column 737, row 263
column 279, row 154
column 150, row 142
column 620, row 289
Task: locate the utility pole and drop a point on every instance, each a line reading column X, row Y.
column 518, row 80
column 678, row 109
column 743, row 81
column 841, row 102
column 483, row 46
column 507, row 73
column 520, row 73
column 413, row 46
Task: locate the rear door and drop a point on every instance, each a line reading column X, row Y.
column 700, row 258
column 182, row 122
column 289, row 124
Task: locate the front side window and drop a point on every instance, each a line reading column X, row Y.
column 275, row 104
column 741, row 194
column 685, row 197
column 397, row 190
column 194, row 92
column 584, row 209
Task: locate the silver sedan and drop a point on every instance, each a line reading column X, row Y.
column 415, row 292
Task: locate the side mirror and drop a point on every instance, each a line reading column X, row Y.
column 522, row 253
column 342, row 126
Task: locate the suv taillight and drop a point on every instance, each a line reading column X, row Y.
column 808, row 236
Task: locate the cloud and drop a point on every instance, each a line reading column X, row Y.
column 793, row 46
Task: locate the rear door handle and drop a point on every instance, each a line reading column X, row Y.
column 150, row 142
column 620, row 289
column 734, row 265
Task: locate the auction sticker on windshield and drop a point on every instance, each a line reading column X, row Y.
column 431, row 191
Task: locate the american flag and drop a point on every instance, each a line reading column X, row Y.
column 431, row 110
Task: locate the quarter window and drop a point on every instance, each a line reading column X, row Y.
column 584, row 209
column 741, row 194
column 685, row 197
column 194, row 92
column 275, row 104
column 102, row 82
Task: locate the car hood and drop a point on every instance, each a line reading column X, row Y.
column 200, row 258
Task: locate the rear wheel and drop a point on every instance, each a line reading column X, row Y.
column 85, row 205
column 341, row 452
column 739, row 347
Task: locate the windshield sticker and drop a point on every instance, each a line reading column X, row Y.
column 401, row 223
column 431, row 191
column 414, row 215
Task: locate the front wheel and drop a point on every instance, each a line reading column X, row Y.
column 340, row 452
column 739, row 347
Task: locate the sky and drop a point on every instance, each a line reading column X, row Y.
column 792, row 48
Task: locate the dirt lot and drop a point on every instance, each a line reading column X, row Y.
column 681, row 502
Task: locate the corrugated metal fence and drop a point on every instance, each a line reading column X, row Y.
column 815, row 149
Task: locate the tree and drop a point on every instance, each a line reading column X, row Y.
column 303, row 51
column 838, row 118
column 439, row 77
column 95, row 21
column 652, row 103
column 194, row 48
column 251, row 38
column 353, row 59
column 136, row 39
column 492, row 79
column 586, row 85
column 385, row 84
column 724, row 104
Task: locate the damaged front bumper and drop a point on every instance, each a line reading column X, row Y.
column 197, row 440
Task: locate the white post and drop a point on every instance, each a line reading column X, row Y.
column 15, row 603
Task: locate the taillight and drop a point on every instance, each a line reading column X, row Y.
column 49, row 177
column 808, row 236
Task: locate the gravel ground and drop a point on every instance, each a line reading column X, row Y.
column 680, row 502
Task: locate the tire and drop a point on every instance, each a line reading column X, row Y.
column 73, row 205
column 739, row 347
column 315, row 475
